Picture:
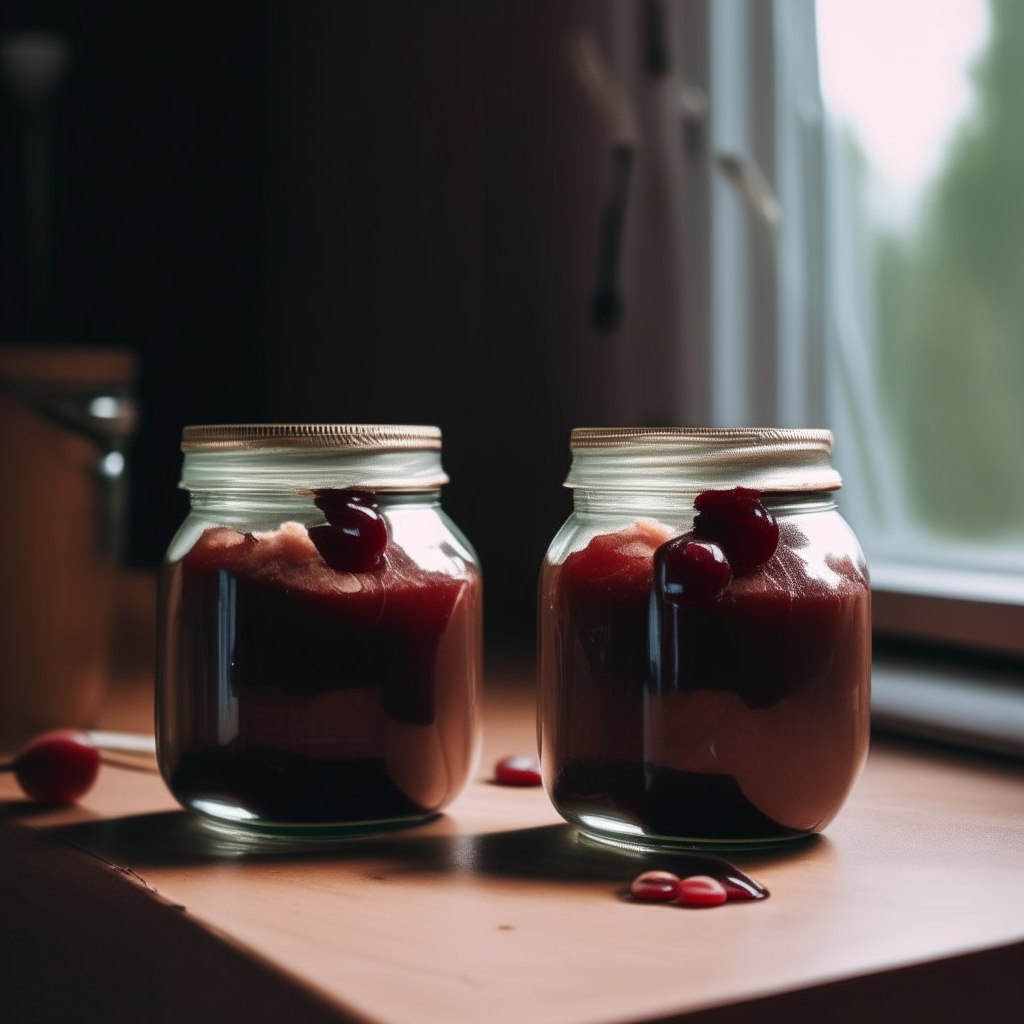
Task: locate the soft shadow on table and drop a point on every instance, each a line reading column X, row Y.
column 17, row 810
column 550, row 852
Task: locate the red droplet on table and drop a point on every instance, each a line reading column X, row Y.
column 518, row 770
column 659, row 886
column 702, row 891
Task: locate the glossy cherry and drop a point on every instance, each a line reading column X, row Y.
column 57, row 767
column 689, row 569
column 655, row 886
column 702, row 891
column 334, row 502
column 355, row 535
column 737, row 521
column 518, row 770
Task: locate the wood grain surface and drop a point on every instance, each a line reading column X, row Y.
column 913, row 901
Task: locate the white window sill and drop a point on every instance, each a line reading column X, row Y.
column 989, row 586
column 970, row 707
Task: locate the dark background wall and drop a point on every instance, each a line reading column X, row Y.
column 161, row 217
column 369, row 210
column 441, row 179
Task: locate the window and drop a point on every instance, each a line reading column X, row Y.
column 926, row 304
column 925, row 153
column 884, row 298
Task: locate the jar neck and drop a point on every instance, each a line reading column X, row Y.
column 293, row 470
column 297, row 504
column 672, row 504
column 685, row 460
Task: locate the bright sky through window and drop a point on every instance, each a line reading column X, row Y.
column 897, row 72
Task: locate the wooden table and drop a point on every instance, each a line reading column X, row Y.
column 911, row 907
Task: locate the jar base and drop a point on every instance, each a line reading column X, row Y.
column 612, row 832
column 236, row 822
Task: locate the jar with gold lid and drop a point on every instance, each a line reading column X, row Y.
column 704, row 638
column 319, row 630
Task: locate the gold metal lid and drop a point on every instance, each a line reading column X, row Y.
column 290, row 457
column 703, row 437
column 379, row 437
column 685, row 458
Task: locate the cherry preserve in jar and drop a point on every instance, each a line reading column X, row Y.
column 704, row 638
column 320, row 619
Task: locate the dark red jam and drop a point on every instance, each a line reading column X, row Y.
column 321, row 675
column 709, row 686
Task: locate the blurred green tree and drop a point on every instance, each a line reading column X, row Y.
column 951, row 313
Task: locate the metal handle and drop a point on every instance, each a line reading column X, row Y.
column 607, row 305
column 750, row 181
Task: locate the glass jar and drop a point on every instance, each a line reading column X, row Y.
column 703, row 678
column 320, row 617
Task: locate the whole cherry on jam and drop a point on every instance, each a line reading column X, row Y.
column 689, row 569
column 737, row 521
column 655, row 886
column 56, row 767
column 518, row 770
column 702, row 891
column 334, row 501
column 355, row 535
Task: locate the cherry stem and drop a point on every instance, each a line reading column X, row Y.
column 10, row 766
column 127, row 745
column 116, row 762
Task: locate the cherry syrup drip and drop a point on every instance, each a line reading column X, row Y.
column 738, row 884
column 700, row 881
column 517, row 770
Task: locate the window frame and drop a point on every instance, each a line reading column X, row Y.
column 776, row 314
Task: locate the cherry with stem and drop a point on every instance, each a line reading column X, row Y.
column 56, row 767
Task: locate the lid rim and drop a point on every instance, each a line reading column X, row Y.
column 684, row 459
column 671, row 437
column 270, row 437
column 687, row 486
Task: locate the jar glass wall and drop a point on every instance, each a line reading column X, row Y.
column 320, row 634
column 737, row 713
